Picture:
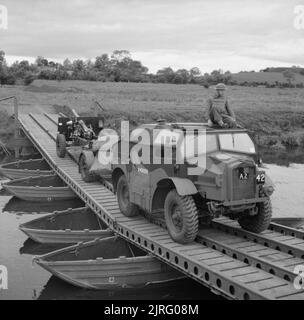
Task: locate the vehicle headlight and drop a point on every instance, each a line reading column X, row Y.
column 100, row 124
column 268, row 190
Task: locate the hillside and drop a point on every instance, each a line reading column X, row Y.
column 269, row 77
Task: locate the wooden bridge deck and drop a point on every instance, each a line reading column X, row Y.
column 228, row 260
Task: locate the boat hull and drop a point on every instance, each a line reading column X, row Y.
column 41, row 194
column 104, row 274
column 65, row 236
column 292, row 222
column 38, row 193
column 52, row 229
column 119, row 274
column 17, row 170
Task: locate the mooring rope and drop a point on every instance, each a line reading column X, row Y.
column 4, row 148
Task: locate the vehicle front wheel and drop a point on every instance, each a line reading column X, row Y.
column 181, row 217
column 85, row 162
column 123, row 196
column 259, row 222
column 61, row 145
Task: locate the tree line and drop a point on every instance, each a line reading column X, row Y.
column 121, row 67
column 117, row 67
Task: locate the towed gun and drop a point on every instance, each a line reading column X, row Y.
column 80, row 128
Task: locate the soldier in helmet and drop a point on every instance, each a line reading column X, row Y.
column 219, row 111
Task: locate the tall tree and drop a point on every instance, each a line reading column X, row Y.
column 67, row 64
column 165, row 75
column 103, row 63
column 120, row 55
column 2, row 57
column 195, row 72
column 182, row 76
column 41, row 62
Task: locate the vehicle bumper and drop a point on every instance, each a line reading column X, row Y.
column 244, row 202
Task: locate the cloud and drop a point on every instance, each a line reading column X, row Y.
column 235, row 34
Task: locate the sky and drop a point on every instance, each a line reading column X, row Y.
column 230, row 35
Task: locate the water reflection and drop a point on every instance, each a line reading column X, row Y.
column 56, row 289
column 32, row 282
column 282, row 157
column 33, row 248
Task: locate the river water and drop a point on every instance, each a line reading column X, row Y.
column 28, row 281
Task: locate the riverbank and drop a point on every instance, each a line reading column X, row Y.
column 274, row 116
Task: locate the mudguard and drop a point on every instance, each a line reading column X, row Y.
column 184, row 187
column 268, row 181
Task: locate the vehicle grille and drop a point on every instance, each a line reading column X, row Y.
column 244, row 189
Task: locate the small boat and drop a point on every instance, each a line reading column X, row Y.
column 25, row 169
column 107, row 264
column 19, row 207
column 38, row 189
column 56, row 289
column 69, row 226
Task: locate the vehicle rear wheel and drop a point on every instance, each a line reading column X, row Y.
column 61, row 145
column 261, row 221
column 123, row 196
column 85, row 163
column 181, row 217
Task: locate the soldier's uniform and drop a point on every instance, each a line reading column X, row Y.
column 218, row 110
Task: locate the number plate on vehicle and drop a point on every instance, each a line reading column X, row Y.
column 243, row 173
column 261, row 177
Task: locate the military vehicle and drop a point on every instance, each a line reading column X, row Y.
column 230, row 184
column 76, row 131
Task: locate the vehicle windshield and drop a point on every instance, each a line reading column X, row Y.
column 237, row 142
column 190, row 148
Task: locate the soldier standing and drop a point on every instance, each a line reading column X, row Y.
column 219, row 111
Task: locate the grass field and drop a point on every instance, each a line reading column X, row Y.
column 274, row 115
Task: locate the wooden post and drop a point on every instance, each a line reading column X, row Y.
column 16, row 112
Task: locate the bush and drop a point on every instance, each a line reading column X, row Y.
column 6, row 126
column 301, row 140
column 47, row 75
column 7, row 78
column 29, row 78
column 267, row 140
column 290, row 140
column 10, row 80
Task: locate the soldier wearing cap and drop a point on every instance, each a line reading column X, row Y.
column 219, row 111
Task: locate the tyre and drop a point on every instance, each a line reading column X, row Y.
column 123, row 196
column 85, row 163
column 181, row 217
column 261, row 221
column 61, row 145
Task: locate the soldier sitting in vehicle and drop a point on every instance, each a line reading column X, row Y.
column 219, row 111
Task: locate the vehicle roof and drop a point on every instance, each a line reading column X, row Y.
column 190, row 126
